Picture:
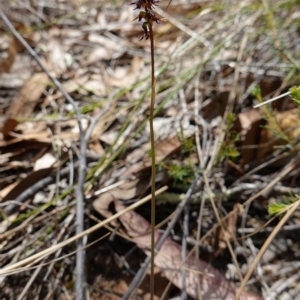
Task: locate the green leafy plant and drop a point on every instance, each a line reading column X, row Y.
column 295, row 94
column 228, row 149
column 187, row 144
column 183, row 173
column 273, row 125
column 276, row 208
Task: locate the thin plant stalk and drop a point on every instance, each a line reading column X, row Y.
column 147, row 14
column 153, row 167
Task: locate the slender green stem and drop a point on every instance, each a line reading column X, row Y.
column 153, row 175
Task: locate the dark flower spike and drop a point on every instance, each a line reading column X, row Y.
column 138, row 4
column 146, row 14
column 151, row 16
column 146, row 4
column 141, row 15
column 146, row 31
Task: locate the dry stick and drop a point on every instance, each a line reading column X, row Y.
column 140, row 275
column 290, row 210
column 82, row 167
column 153, row 161
column 38, row 256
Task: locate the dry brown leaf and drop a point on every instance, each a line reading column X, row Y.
column 6, row 190
column 41, row 137
column 167, row 147
column 63, row 127
column 214, row 286
column 124, row 76
column 94, row 86
column 216, row 107
column 16, row 151
column 113, row 289
column 96, row 147
column 106, row 49
column 164, row 149
column 7, row 125
column 7, row 63
column 250, row 122
column 26, row 183
column 126, row 191
column 44, row 162
column 229, row 233
column 32, row 127
column 30, row 94
column 14, row 48
column 73, row 84
column 289, row 123
column 134, row 188
column 98, row 54
column 56, row 56
column 23, row 105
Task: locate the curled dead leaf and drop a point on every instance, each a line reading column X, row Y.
column 126, row 191
column 213, row 285
column 229, row 231
column 15, row 47
column 125, row 76
column 250, row 122
column 23, row 105
column 282, row 127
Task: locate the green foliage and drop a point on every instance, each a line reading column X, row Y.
column 256, row 92
column 181, row 173
column 187, row 144
column 295, row 94
column 228, row 149
column 277, row 208
column 269, row 116
column 230, row 152
column 183, row 170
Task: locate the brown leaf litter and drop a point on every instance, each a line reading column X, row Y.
column 289, row 124
column 96, row 54
column 213, row 285
column 135, row 180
